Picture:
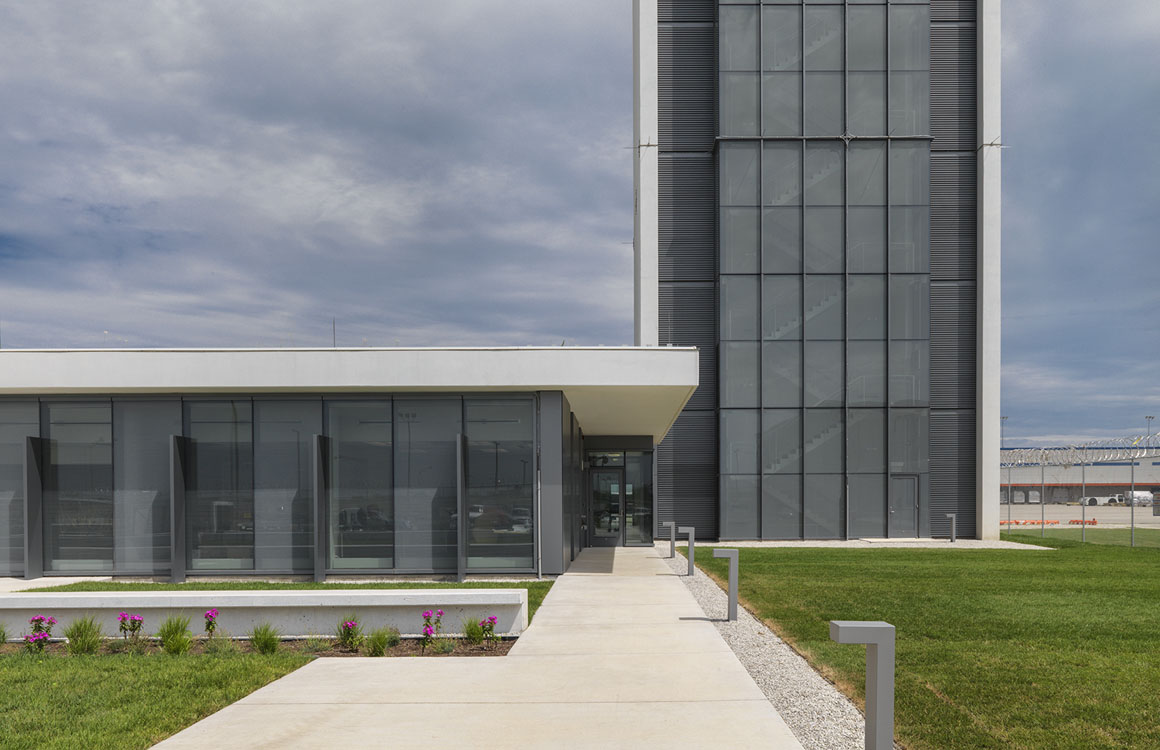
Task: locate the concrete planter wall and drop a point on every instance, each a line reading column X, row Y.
column 295, row 613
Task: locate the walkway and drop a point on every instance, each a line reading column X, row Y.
column 619, row 655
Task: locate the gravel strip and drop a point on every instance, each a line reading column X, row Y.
column 819, row 716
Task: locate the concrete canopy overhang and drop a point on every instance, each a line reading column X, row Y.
column 612, row 390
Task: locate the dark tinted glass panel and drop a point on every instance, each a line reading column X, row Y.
column 781, row 441
column 824, row 441
column 867, row 173
column 738, row 28
column 824, row 306
column 219, row 489
column 781, row 174
column 781, row 506
column 144, row 431
column 78, row 487
column 909, row 441
column 910, row 307
column 825, row 240
column 867, row 97
column 500, row 475
column 739, row 507
column 867, row 239
column 782, row 38
column 740, row 239
column 638, row 499
column 909, row 373
column 18, row 421
column 781, row 314
column 739, row 308
column 360, row 488
column 426, row 475
column 823, row 111
column 909, row 103
column 782, row 240
column 825, row 173
column 867, row 300
column 910, row 239
column 825, row 383
column 739, row 434
column 781, row 374
column 824, row 517
column 866, row 373
column 867, row 503
column 740, row 364
column 867, row 44
column 781, row 104
column 823, row 40
column 283, row 496
column 740, row 95
column 866, row 446
column 739, row 170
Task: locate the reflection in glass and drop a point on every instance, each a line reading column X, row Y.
column 426, row 495
column 18, row 421
column 78, row 487
column 638, row 499
column 359, row 479
column 500, row 474
column 219, row 486
column 283, row 496
column 144, row 430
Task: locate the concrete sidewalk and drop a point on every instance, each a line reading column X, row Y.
column 619, row 655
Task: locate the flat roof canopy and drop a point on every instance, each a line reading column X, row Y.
column 612, row 390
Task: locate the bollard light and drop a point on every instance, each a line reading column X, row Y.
column 672, row 538
column 692, row 532
column 732, row 555
column 952, row 517
column 879, row 640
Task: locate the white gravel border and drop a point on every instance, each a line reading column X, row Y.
column 817, row 713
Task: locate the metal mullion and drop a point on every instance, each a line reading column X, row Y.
column 889, row 213
column 845, row 267
column 759, row 531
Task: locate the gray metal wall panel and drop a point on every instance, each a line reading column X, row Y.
column 551, row 520
column 687, row 87
column 686, row 11
column 953, row 217
column 953, row 84
column 687, row 474
column 688, row 317
column 952, row 471
column 954, row 10
column 688, row 218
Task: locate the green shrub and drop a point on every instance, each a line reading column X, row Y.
column 382, row 639
column 316, row 643
column 473, row 632
column 266, row 638
column 175, row 636
column 443, row 646
column 350, row 633
column 3, row 634
column 221, row 644
column 84, row 636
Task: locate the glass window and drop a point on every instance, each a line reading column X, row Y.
column 78, row 487
column 909, row 373
column 823, row 109
column 909, row 173
column 740, row 94
column 824, row 442
column 141, row 497
column 739, row 308
column 781, row 174
column 638, row 499
column 19, row 420
column 781, row 314
column 909, row 441
column 781, row 374
column 781, row 240
column 867, row 95
column 500, row 477
column 739, row 374
column 360, row 497
column 781, row 104
column 910, row 307
column 866, row 445
column 738, row 29
column 867, row 506
column 823, row 506
column 739, row 433
column 782, row 38
column 867, row 239
column 739, row 164
column 823, row 40
column 867, row 45
column 283, row 488
column 825, row 240
column 909, row 103
column 219, row 485
column 867, row 307
column 825, row 384
column 781, row 506
column 825, row 311
column 739, row 507
column 825, row 174
column 910, row 37
column 426, row 478
column 867, row 186
column 866, row 373
column 910, row 239
column 740, row 238
column 781, row 441
column 605, row 458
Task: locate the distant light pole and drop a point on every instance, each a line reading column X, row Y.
column 1002, row 447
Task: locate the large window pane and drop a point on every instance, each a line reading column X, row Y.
column 638, row 499
column 739, row 433
column 78, row 487
column 500, row 477
column 909, row 173
column 740, row 239
column 739, row 507
column 739, row 374
column 781, row 374
column 823, row 111
column 219, row 486
column 426, row 475
column 909, row 103
column 825, row 311
column 144, row 430
column 867, row 180
column 360, row 486
column 824, row 518
column 781, row 174
column 825, row 174
column 739, row 165
column 781, row 104
column 781, row 506
column 867, row 301
column 867, row 240
column 909, row 373
column 866, row 373
column 740, row 94
column 909, row 441
column 910, row 37
column 781, row 441
column 866, row 446
column 781, row 240
column 18, row 422
column 910, row 307
column 738, row 28
column 782, row 38
column 739, row 308
column 825, row 240
column 910, row 239
column 283, row 493
column 824, row 438
column 781, row 314
column 825, row 384
column 867, row 45
column 867, row 504
column 867, row 93
column 823, row 40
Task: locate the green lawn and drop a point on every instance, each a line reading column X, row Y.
column 537, row 590
column 121, row 701
column 996, row 648
column 1095, row 535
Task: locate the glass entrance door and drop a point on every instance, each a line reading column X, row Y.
column 606, row 507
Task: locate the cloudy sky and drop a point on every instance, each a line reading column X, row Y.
column 459, row 172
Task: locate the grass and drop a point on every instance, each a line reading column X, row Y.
column 121, row 701
column 1095, row 535
column 175, row 636
column 537, row 590
column 266, row 638
column 380, row 640
column 996, row 648
column 84, row 636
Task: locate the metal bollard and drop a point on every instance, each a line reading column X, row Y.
column 692, row 532
column 672, row 538
column 731, row 554
column 952, row 517
column 879, row 640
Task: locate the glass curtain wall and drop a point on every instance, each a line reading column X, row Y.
column 283, row 491
column 78, row 486
column 18, row 421
column 219, row 491
column 638, row 499
column 824, row 216
column 360, row 485
column 426, row 479
column 500, row 476
column 141, row 495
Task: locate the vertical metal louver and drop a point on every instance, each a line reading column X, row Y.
column 954, row 216
column 688, row 220
column 687, row 474
column 954, row 10
column 688, row 318
column 952, row 471
column 687, row 87
column 953, row 360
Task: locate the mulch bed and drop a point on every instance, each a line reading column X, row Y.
column 318, row 647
